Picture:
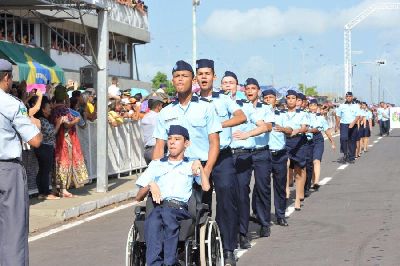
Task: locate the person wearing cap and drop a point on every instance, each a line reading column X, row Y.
column 318, row 123
column 295, row 144
column 223, row 175
column 229, row 84
column 347, row 116
column 14, row 199
column 261, row 160
column 148, row 124
column 170, row 181
column 279, row 157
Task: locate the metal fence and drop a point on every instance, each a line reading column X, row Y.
column 125, row 151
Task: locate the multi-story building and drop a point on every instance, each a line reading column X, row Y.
column 57, row 38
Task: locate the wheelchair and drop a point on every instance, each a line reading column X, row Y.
column 199, row 237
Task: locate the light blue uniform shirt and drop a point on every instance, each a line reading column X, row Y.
column 174, row 178
column 252, row 118
column 225, row 107
column 348, row 112
column 198, row 117
column 14, row 121
column 383, row 114
column 295, row 119
column 277, row 140
column 264, row 112
column 318, row 121
column 368, row 115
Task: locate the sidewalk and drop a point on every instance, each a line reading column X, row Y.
column 48, row 213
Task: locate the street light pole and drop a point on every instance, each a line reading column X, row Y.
column 194, row 45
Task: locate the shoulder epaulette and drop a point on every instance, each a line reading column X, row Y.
column 164, row 159
column 205, row 99
column 195, row 99
column 298, row 110
column 277, row 112
column 318, row 114
column 239, row 102
column 215, row 94
column 259, row 105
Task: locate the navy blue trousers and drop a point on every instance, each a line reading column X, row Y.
column 161, row 232
column 383, row 127
column 224, row 179
column 309, row 148
column 279, row 175
column 348, row 139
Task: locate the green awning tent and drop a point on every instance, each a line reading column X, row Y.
column 34, row 65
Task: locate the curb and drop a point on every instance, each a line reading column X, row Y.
column 90, row 206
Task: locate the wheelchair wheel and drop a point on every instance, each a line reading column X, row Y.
column 135, row 251
column 211, row 252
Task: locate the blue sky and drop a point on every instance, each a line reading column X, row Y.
column 267, row 40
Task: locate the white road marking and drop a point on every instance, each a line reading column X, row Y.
column 76, row 223
column 325, row 181
column 370, row 145
column 375, row 141
column 379, row 137
column 343, row 166
column 240, row 252
column 289, row 210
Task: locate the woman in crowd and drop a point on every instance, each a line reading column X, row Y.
column 70, row 169
column 366, row 126
column 45, row 153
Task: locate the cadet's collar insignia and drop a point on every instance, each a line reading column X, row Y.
column 186, row 159
column 259, row 105
column 245, row 101
column 298, row 110
column 226, row 92
column 176, row 101
column 205, row 99
column 239, row 102
column 284, row 111
column 195, row 99
column 317, row 114
column 215, row 94
column 164, row 159
column 277, row 112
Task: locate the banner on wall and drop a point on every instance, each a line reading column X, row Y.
column 395, row 117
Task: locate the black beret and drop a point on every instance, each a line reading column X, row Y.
column 269, row 92
column 313, row 101
column 178, row 130
column 252, row 81
column 349, row 93
column 230, row 74
column 301, row 96
column 204, row 63
column 291, row 92
column 182, row 66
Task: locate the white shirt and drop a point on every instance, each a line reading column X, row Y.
column 148, row 124
column 113, row 90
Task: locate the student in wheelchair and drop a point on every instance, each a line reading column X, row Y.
column 170, row 181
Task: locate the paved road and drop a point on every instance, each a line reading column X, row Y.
column 350, row 221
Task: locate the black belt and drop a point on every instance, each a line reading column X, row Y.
column 295, row 136
column 278, row 152
column 226, row 150
column 265, row 148
column 241, row 151
column 15, row 160
column 148, row 147
column 176, row 204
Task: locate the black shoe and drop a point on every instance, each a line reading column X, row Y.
column 316, row 187
column 307, row 193
column 265, row 231
column 297, row 209
column 351, row 161
column 229, row 258
column 282, row 222
column 244, row 242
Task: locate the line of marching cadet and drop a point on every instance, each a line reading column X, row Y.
column 231, row 140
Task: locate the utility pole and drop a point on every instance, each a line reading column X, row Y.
column 370, row 87
column 194, row 44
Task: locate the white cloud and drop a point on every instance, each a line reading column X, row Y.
column 269, row 21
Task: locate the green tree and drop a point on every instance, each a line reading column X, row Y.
column 161, row 78
column 308, row 91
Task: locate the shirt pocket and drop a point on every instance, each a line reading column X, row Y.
column 197, row 122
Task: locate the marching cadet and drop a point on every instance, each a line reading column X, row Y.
column 14, row 199
column 367, row 123
column 279, row 157
column 347, row 116
column 242, row 156
column 223, row 175
column 298, row 121
column 318, row 124
column 261, row 160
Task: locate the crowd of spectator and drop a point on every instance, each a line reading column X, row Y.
column 136, row 4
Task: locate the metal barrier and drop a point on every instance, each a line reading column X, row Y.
column 125, row 151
